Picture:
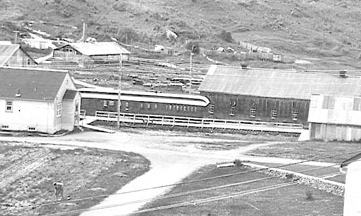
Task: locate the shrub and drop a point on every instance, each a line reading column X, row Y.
column 238, row 163
column 309, row 195
column 226, row 36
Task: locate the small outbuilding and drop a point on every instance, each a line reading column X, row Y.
column 336, row 117
column 38, row 100
column 12, row 55
column 88, row 53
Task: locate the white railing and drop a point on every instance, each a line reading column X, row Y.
column 197, row 122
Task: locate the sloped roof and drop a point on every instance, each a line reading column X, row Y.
column 31, row 84
column 8, row 50
column 277, row 83
column 98, row 48
column 69, row 94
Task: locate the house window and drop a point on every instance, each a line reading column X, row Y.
column 253, row 112
column 9, row 106
column 273, row 113
column 59, row 108
column 294, row 115
column 211, row 109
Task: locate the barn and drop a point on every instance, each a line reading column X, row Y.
column 12, row 55
column 335, row 117
column 37, row 100
column 268, row 94
column 89, row 53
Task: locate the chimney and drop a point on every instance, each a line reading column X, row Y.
column 84, row 32
column 342, row 73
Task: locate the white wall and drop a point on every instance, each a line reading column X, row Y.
column 352, row 202
column 28, row 114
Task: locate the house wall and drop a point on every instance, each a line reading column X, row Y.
column 332, row 132
column 66, row 120
column 227, row 106
column 352, row 195
column 28, row 115
column 19, row 59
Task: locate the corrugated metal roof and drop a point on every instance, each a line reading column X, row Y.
column 277, row 83
column 31, row 84
column 98, row 48
column 6, row 51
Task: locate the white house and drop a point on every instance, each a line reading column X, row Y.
column 38, row 100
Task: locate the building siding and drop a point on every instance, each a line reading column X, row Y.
column 239, row 107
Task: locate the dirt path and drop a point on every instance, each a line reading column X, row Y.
column 170, row 162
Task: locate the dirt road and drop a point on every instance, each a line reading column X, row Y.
column 173, row 156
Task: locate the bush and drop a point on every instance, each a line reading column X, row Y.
column 309, row 195
column 193, row 46
column 226, row 36
column 238, row 163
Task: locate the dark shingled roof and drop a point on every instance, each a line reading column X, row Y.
column 31, row 84
column 274, row 83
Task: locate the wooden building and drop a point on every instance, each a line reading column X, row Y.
column 268, row 94
column 12, row 55
column 37, row 100
column 89, row 53
column 335, row 117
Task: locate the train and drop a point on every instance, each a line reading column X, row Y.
column 148, row 103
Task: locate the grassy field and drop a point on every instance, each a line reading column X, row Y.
column 287, row 200
column 334, row 152
column 28, row 172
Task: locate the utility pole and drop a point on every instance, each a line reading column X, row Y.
column 119, row 88
column 190, row 69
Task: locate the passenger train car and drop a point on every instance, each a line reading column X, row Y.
column 106, row 99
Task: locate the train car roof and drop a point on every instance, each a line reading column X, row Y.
column 150, row 97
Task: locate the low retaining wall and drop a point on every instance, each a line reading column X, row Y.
column 315, row 182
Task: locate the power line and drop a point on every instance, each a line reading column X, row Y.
column 189, row 192
column 186, row 193
column 199, row 180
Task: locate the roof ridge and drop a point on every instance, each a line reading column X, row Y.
column 36, row 69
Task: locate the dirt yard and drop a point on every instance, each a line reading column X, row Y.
column 27, row 173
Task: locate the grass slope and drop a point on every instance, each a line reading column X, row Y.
column 326, row 32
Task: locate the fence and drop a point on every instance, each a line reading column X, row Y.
column 188, row 122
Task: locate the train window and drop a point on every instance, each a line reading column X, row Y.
column 195, row 109
column 232, row 111
column 253, row 112
column 105, row 104
column 126, row 106
column 211, row 109
column 170, row 107
column 141, row 105
column 177, row 107
column 273, row 113
column 148, row 106
column 111, row 103
column 155, row 106
column 192, row 109
column 188, row 108
column 294, row 114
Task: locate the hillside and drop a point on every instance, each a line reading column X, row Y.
column 323, row 32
